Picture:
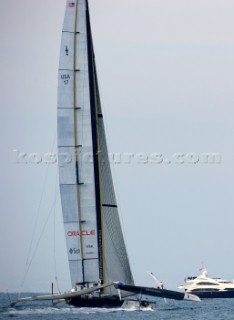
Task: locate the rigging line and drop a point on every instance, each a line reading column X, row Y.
column 39, row 206
column 9, row 297
column 37, row 216
column 54, row 233
column 39, row 240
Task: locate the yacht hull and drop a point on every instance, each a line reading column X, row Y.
column 214, row 294
column 95, row 302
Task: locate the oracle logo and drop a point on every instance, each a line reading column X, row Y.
column 83, row 233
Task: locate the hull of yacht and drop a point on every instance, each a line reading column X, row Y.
column 96, row 302
column 209, row 288
column 213, row 294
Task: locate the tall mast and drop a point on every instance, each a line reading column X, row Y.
column 78, row 183
column 96, row 147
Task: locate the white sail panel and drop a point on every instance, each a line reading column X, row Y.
column 91, row 270
column 81, row 49
column 89, row 239
column 87, row 203
column 67, row 52
column 70, row 16
column 67, row 165
column 66, row 127
column 72, row 234
column 83, row 130
column 82, row 90
column 69, row 202
column 65, row 89
column 73, row 241
column 88, row 206
column 81, row 18
column 76, row 277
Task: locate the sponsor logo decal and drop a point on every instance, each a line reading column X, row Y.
column 65, row 78
column 90, row 246
column 74, row 251
column 71, row 4
column 82, row 233
column 66, row 50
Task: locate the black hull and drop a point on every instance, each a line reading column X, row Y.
column 213, row 294
column 95, row 302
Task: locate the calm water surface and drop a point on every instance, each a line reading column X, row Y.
column 220, row 309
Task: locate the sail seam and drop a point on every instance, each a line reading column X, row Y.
column 66, row 108
column 72, row 32
column 71, row 146
column 70, row 70
column 110, row 205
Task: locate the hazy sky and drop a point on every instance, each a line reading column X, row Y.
column 166, row 73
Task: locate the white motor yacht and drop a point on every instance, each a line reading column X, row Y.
column 205, row 287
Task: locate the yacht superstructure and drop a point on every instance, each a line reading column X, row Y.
column 205, row 287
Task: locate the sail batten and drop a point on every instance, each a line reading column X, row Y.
column 95, row 244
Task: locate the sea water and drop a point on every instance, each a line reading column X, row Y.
column 213, row 309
